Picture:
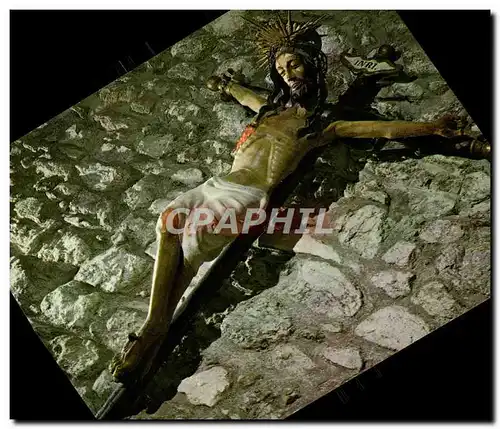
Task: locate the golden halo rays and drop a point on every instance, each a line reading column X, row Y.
column 275, row 34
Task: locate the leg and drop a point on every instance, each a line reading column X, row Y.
column 181, row 284
column 168, row 268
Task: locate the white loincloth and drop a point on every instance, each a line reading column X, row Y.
column 217, row 195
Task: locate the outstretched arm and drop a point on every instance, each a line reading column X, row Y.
column 390, row 129
column 231, row 86
column 245, row 96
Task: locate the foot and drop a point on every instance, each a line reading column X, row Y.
column 137, row 355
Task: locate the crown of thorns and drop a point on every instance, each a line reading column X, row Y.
column 277, row 36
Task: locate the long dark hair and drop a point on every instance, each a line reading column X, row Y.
column 315, row 64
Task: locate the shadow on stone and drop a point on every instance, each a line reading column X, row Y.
column 260, row 270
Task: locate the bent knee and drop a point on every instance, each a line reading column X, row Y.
column 171, row 218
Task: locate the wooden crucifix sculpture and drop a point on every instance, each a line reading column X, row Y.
column 289, row 124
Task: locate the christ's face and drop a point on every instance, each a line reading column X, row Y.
column 291, row 68
column 293, row 71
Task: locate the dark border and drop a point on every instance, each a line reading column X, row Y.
column 60, row 57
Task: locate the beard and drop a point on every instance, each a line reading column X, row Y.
column 302, row 89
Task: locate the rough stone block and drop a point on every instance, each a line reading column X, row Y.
column 441, row 231
column 108, row 124
column 400, row 253
column 155, row 146
column 309, row 245
column 394, row 283
column 291, row 359
column 101, row 177
column 436, row 301
column 114, row 270
column 476, row 187
column 77, row 357
column 347, row 357
column 28, row 238
column 29, row 208
column 104, row 384
column 257, row 323
column 66, row 247
column 324, row 289
column 189, row 176
column 52, row 168
column 232, row 121
column 73, row 304
column 182, row 71
column 205, row 387
column 362, row 230
column 392, row 327
column 19, row 280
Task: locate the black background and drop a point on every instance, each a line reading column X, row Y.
column 60, row 57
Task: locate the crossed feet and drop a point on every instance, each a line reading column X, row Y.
column 136, row 357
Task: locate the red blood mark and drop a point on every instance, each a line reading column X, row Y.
column 164, row 218
column 249, row 130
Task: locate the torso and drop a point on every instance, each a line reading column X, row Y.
column 272, row 152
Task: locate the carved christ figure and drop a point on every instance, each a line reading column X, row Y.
column 288, row 124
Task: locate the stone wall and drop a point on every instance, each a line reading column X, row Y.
column 409, row 252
